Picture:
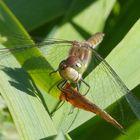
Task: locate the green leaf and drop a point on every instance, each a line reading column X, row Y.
column 33, row 62
column 39, row 12
column 118, row 24
column 74, row 27
column 122, row 59
column 29, row 114
column 125, row 56
column 81, row 20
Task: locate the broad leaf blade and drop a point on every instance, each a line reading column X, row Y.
column 17, row 88
column 124, row 63
column 75, row 27
column 39, row 12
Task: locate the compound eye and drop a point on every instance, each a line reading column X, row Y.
column 62, row 65
column 78, row 65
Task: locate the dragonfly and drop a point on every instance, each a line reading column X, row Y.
column 72, row 68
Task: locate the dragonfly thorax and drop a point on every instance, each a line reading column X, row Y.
column 71, row 69
column 84, row 44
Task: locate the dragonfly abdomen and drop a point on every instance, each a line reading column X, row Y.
column 96, row 39
column 77, row 100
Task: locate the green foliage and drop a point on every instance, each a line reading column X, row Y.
column 24, row 89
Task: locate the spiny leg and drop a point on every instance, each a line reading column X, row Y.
column 55, row 71
column 71, row 110
column 87, row 86
column 78, row 86
column 58, row 106
column 61, row 85
column 74, row 118
column 60, row 103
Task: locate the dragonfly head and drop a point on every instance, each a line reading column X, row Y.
column 71, row 69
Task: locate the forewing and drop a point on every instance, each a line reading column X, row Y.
column 19, row 45
column 107, row 88
column 52, row 51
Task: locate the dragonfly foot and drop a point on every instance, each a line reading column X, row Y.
column 58, row 106
column 71, row 110
column 88, row 86
column 53, row 72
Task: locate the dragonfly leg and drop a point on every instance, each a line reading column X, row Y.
column 78, row 86
column 61, row 85
column 53, row 72
column 87, row 86
column 58, row 106
column 71, row 110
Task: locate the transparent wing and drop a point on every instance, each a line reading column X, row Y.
column 53, row 48
column 107, row 88
column 65, row 117
column 50, row 48
column 21, row 46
